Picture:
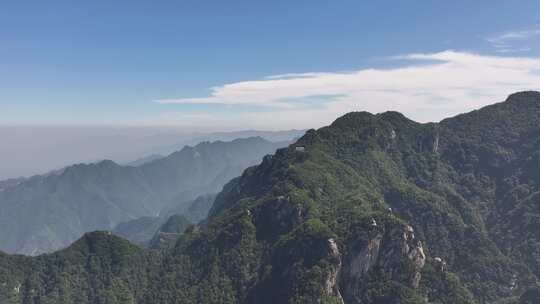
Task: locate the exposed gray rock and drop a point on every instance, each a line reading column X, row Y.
column 358, row 263
column 414, row 251
column 387, row 250
column 331, row 283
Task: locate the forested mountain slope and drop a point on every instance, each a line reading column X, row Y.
column 371, row 209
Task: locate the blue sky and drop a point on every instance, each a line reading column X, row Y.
column 213, row 63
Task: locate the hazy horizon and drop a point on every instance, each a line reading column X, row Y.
column 29, row 150
column 121, row 81
column 33, row 149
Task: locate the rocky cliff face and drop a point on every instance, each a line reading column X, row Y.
column 394, row 251
column 331, row 284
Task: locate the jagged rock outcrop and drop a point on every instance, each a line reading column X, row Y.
column 387, row 250
column 413, row 250
column 332, row 280
column 358, row 263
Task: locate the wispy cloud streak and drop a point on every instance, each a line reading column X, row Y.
column 505, row 42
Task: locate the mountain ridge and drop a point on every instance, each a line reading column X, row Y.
column 371, row 209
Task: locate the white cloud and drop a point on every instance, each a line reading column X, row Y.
column 514, row 35
column 513, row 50
column 433, row 86
column 505, row 41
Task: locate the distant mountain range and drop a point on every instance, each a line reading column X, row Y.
column 31, row 150
column 48, row 212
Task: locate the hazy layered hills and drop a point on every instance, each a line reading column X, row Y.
column 141, row 231
column 371, row 209
column 48, row 212
column 31, row 150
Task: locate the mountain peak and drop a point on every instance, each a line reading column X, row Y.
column 395, row 118
column 102, row 242
column 106, row 163
column 524, row 95
column 525, row 99
column 357, row 119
